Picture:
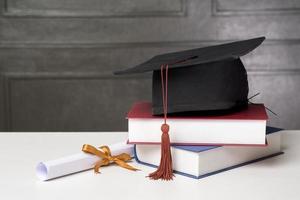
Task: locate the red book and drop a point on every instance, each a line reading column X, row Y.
column 245, row 127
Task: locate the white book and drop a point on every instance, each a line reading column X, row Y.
column 202, row 161
column 245, row 127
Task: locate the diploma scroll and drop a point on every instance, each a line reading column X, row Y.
column 76, row 163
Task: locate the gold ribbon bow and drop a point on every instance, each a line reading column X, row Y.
column 107, row 158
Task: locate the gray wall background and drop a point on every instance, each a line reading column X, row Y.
column 57, row 57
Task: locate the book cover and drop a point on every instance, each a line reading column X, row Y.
column 253, row 112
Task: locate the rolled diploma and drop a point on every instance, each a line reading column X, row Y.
column 76, row 163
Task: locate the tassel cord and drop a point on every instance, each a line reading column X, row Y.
column 164, row 170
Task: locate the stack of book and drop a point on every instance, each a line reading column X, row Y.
column 204, row 145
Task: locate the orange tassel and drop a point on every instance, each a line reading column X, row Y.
column 164, row 171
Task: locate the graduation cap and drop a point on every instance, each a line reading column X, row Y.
column 209, row 79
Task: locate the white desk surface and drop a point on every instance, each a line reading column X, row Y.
column 275, row 178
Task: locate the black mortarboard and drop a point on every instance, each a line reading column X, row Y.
column 208, row 79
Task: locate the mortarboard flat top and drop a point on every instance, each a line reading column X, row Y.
column 197, row 56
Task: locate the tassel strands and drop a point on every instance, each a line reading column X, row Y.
column 164, row 170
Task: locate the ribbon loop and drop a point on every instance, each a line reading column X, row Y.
column 106, row 158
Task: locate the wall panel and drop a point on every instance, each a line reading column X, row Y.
column 57, row 57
